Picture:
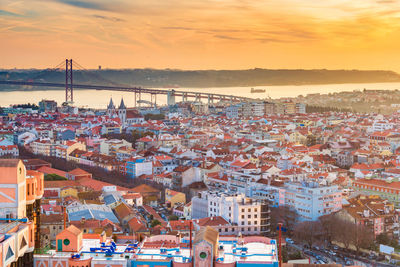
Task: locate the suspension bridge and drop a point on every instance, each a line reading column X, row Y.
column 71, row 67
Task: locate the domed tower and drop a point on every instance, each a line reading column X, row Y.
column 122, row 111
column 110, row 108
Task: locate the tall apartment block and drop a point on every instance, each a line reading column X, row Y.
column 20, row 194
column 248, row 216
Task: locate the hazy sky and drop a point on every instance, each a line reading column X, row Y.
column 201, row 34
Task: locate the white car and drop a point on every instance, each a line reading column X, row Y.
column 289, row 240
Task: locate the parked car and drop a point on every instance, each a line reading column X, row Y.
column 289, row 241
column 307, row 252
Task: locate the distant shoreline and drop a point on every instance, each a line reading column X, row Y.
column 208, row 87
column 150, row 78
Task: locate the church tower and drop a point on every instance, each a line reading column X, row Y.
column 122, row 112
column 110, row 108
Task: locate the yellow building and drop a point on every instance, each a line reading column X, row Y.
column 69, row 191
column 280, row 137
column 173, row 197
column 297, row 137
column 289, row 107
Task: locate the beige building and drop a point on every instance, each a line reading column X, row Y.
column 51, row 226
column 172, row 198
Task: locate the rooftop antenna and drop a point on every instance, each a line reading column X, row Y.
column 190, row 237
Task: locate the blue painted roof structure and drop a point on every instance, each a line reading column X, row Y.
column 92, row 214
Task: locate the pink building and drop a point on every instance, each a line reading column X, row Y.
column 20, row 194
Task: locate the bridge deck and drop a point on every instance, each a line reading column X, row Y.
column 131, row 89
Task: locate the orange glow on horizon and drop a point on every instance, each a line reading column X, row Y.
column 201, row 34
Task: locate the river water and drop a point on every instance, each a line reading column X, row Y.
column 100, row 99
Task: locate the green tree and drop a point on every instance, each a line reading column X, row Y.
column 54, row 177
column 173, row 218
column 154, row 223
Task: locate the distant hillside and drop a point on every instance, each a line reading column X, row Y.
column 204, row 78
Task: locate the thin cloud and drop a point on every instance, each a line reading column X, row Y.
column 179, row 28
column 86, row 4
column 8, row 13
column 115, row 19
column 227, row 37
column 386, row 1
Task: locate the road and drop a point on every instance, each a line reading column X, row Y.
column 339, row 258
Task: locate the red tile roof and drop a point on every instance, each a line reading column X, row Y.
column 212, row 221
column 48, row 170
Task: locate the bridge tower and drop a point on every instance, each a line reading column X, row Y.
column 210, row 99
column 171, row 97
column 184, row 97
column 69, row 91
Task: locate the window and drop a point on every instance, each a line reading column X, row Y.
column 242, row 223
column 203, row 255
column 66, row 242
column 242, row 210
column 242, row 216
column 249, row 216
column 249, row 210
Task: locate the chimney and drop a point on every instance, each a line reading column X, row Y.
column 65, row 216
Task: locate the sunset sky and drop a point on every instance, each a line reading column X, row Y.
column 201, row 34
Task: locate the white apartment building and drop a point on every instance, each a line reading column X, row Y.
column 42, row 147
column 258, row 109
column 312, row 200
column 110, row 147
column 9, row 150
column 251, row 216
column 300, row 108
column 381, row 125
column 232, row 111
